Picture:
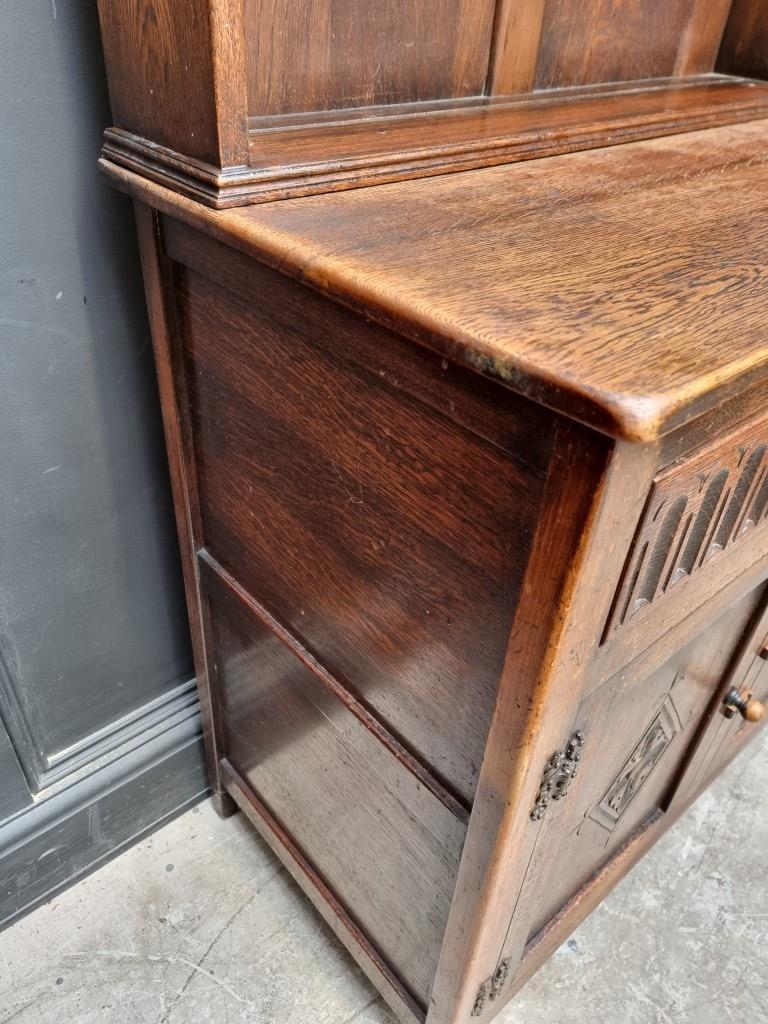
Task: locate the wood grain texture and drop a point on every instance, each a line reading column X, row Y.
column 723, row 419
column 609, row 40
column 390, row 542
column 696, row 510
column 744, row 50
column 595, row 258
column 410, row 558
column 299, row 155
column 345, row 929
column 171, row 386
column 701, row 37
column 515, row 50
column 640, row 654
column 410, row 761
column 599, row 885
column 501, row 129
column 482, row 407
column 176, row 75
column 331, row 54
column 240, row 101
column 392, row 851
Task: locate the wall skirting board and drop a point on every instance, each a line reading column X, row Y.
column 99, row 719
column 152, row 772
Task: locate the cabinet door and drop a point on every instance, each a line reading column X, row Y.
column 638, row 735
column 725, row 730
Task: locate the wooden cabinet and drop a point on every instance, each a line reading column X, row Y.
column 471, row 472
column 242, row 101
column 474, row 592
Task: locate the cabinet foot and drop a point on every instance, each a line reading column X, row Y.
column 224, row 805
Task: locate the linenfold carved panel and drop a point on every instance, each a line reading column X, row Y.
column 696, row 509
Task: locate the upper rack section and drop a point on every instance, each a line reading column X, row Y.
column 242, row 101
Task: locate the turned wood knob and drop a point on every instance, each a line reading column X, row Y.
column 750, row 710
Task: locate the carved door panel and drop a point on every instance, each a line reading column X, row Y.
column 637, row 738
column 727, row 726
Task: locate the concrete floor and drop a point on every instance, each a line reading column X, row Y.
column 199, row 925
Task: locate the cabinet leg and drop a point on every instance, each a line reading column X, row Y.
column 223, row 804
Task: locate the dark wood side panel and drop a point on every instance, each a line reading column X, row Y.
column 388, row 539
column 177, row 75
column 519, row 427
column 330, row 54
column 619, row 40
column 744, row 49
column 705, row 430
column 380, row 841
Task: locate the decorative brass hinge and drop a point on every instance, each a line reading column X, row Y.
column 491, row 988
column 560, row 770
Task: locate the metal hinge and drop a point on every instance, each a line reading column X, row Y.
column 491, row 988
column 560, row 770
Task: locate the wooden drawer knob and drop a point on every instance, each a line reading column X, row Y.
column 750, row 710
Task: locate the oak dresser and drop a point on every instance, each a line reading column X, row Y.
column 470, row 468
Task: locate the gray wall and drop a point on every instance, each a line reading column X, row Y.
column 99, row 732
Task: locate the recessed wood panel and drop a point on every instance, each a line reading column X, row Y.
column 308, row 55
column 388, row 539
column 744, row 48
column 621, row 40
column 386, row 846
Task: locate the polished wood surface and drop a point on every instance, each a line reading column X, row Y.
column 722, row 735
column 642, row 728
column 515, row 48
column 173, row 404
column 408, row 575
column 611, row 254
column 589, row 505
column 592, row 282
column 701, row 36
column 697, row 513
column 176, row 75
column 606, row 41
column 303, row 460
column 241, row 101
column 391, row 144
column 744, row 49
column 341, row 54
column 547, row 44
column 382, row 843
column 298, row 156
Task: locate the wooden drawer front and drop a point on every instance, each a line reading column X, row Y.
column 638, row 736
column 388, row 539
column 385, row 846
column 704, row 523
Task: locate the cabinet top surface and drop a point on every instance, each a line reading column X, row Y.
column 627, row 287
